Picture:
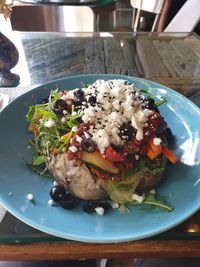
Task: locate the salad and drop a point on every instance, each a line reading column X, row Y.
column 105, row 143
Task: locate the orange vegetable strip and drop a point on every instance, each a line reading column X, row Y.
column 157, row 149
column 150, row 153
column 153, row 150
column 169, row 154
column 65, row 136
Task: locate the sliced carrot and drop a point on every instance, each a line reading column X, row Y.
column 150, row 153
column 153, row 150
column 169, row 154
column 65, row 136
column 156, row 148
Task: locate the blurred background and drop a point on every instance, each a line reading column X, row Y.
column 56, row 17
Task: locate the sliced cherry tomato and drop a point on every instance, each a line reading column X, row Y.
column 112, row 155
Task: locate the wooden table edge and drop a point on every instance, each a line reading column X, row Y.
column 71, row 250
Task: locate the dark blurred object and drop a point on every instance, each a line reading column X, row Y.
column 175, row 7
column 184, row 16
column 197, row 29
column 9, row 57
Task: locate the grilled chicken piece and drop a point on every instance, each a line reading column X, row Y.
column 74, row 178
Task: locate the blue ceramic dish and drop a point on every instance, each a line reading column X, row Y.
column 181, row 189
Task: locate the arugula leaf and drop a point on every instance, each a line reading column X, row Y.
column 39, row 160
column 135, row 169
column 152, row 201
column 85, row 85
column 150, row 95
column 143, row 91
column 161, row 101
column 132, row 171
column 40, row 169
column 30, row 113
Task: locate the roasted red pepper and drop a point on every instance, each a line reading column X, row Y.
column 113, row 155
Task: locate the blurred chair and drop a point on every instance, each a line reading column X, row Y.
column 153, row 6
column 104, row 7
column 186, row 19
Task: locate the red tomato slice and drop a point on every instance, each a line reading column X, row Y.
column 112, row 155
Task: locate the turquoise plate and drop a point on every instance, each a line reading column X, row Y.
column 181, row 189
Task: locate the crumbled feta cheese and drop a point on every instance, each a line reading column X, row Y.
column 73, row 149
column 74, row 129
column 49, row 123
column 51, row 202
column 99, row 210
column 117, row 102
column 137, row 157
column 69, row 95
column 78, row 138
column 138, row 198
column 153, row 191
column 115, row 205
column 102, row 139
column 65, row 112
column 29, row 197
column 139, row 135
column 157, row 141
column 55, row 183
column 63, row 120
column 86, row 135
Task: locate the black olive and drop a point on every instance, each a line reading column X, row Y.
column 59, row 106
column 68, row 202
column 90, row 205
column 92, row 100
column 78, row 97
column 57, row 193
column 151, row 103
column 126, row 131
column 171, row 139
column 88, row 145
column 44, row 100
column 127, row 83
column 78, row 108
column 168, row 133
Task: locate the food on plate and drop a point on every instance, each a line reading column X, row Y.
column 105, row 140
